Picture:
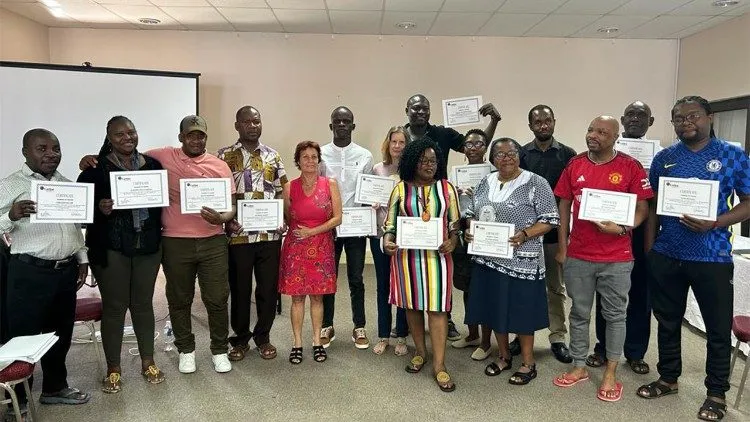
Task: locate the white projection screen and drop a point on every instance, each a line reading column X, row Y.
column 75, row 103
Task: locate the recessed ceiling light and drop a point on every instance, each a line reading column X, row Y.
column 149, row 21
column 725, row 3
column 608, row 29
column 406, row 25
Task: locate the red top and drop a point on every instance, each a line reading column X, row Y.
column 621, row 174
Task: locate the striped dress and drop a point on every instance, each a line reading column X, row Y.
column 422, row 279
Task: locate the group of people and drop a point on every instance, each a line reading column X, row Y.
column 537, row 187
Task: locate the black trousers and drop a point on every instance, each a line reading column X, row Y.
column 4, row 261
column 42, row 300
column 714, row 291
column 261, row 259
column 355, row 266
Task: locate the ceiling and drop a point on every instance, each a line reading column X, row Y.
column 651, row 19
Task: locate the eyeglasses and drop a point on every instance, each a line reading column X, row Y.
column 473, row 145
column 509, row 154
column 692, row 118
column 428, row 163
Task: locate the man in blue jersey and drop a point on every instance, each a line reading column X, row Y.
column 688, row 252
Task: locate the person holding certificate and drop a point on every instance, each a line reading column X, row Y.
column 429, row 203
column 392, row 148
column 312, row 208
column 688, row 252
column 509, row 295
column 599, row 257
column 48, row 264
column 125, row 253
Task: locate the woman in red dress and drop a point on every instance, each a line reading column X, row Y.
column 312, row 209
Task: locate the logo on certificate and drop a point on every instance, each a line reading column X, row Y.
column 615, row 178
column 713, row 166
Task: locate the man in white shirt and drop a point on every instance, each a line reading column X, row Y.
column 344, row 160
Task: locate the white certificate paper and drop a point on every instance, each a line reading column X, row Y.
column 413, row 233
column 257, row 215
column 139, row 189
column 462, row 111
column 198, row 193
column 694, row 197
column 357, row 222
column 641, row 149
column 469, row 175
column 373, row 189
column 62, row 202
column 604, row 205
column 491, row 239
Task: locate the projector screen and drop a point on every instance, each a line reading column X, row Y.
column 75, row 103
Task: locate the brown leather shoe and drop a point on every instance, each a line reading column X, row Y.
column 237, row 353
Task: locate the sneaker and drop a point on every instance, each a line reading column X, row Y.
column 359, row 337
column 187, row 363
column 453, row 334
column 327, row 335
column 221, row 363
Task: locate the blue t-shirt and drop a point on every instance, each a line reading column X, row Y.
column 718, row 160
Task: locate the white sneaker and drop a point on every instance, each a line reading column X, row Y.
column 187, row 362
column 221, row 363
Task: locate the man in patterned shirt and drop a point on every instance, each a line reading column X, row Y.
column 258, row 174
column 688, row 252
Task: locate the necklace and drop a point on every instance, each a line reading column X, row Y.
column 614, row 154
column 425, row 204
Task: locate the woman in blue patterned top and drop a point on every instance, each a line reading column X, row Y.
column 509, row 295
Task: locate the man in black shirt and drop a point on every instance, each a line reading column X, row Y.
column 547, row 157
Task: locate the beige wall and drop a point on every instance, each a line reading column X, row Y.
column 22, row 39
column 296, row 81
column 716, row 63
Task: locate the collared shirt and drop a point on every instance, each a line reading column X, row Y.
column 447, row 139
column 52, row 241
column 258, row 174
column 345, row 165
column 549, row 164
column 180, row 166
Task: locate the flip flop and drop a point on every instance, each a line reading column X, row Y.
column 65, row 396
column 601, row 394
column 415, row 365
column 565, row 380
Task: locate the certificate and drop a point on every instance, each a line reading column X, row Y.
column 414, row 233
column 468, row 176
column 373, row 189
column 62, row 202
column 139, row 189
column 640, row 149
column 357, row 222
column 604, row 205
column 694, row 197
column 256, row 215
column 491, row 239
column 462, row 111
column 198, row 193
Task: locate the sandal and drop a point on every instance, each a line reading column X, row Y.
column 444, row 382
column 523, row 378
column 380, row 347
column 67, row 395
column 655, row 390
column 566, row 380
column 595, row 360
column 295, row 356
column 237, row 353
column 494, row 369
column 319, row 354
column 639, row 366
column 153, row 375
column 604, row 394
column 712, row 410
column 267, row 351
column 401, row 349
column 415, row 365
column 112, row 383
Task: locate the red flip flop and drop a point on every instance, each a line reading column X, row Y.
column 602, row 393
column 566, row 380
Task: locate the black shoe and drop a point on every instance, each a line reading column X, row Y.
column 561, row 352
column 515, row 347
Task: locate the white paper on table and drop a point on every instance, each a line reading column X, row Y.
column 694, row 197
column 357, row 222
column 603, row 205
column 214, row 193
column 62, row 202
column 642, row 150
column 414, row 233
column 462, row 111
column 373, row 189
column 491, row 239
column 26, row 348
column 257, row 215
column 139, row 189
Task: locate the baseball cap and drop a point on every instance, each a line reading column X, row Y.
column 191, row 123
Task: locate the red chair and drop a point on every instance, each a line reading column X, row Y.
column 18, row 372
column 741, row 330
column 88, row 312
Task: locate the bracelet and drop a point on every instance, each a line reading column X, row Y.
column 624, row 230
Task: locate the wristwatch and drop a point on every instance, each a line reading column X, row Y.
column 624, row 230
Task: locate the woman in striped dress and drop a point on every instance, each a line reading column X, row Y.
column 421, row 280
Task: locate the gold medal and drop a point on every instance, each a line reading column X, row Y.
column 425, row 216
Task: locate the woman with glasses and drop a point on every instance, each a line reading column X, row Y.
column 509, row 295
column 421, row 280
